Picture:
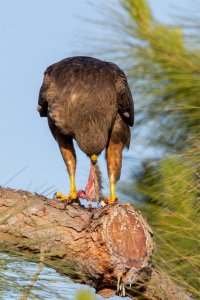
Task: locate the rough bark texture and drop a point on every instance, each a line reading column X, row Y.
column 105, row 244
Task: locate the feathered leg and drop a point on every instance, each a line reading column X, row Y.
column 68, row 153
column 114, row 163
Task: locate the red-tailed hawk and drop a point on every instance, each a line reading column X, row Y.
column 88, row 100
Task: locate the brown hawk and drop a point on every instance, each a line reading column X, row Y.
column 88, row 100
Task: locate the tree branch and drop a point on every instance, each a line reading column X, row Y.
column 102, row 246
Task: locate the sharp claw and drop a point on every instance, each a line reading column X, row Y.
column 123, row 291
column 59, row 195
column 118, row 283
column 65, row 204
column 66, row 199
column 105, row 201
column 102, row 203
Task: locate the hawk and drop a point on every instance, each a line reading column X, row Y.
column 88, row 100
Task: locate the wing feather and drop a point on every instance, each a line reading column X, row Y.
column 42, row 99
column 124, row 99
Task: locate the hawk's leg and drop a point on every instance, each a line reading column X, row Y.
column 68, row 153
column 114, row 163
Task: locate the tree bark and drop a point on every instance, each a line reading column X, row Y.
column 102, row 246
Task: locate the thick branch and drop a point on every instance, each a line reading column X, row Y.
column 104, row 244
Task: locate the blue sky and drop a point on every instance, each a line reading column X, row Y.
column 35, row 34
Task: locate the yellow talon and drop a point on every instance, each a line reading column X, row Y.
column 109, row 201
column 73, row 195
column 69, row 198
column 112, row 200
column 60, row 196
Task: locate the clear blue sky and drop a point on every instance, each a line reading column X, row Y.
column 35, row 34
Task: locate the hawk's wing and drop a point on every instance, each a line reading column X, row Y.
column 125, row 102
column 43, row 99
column 124, row 99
